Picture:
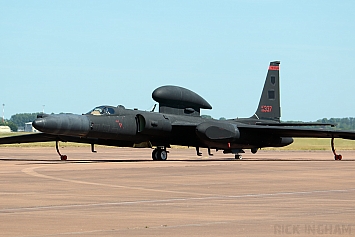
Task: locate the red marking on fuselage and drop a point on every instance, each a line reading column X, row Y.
column 119, row 123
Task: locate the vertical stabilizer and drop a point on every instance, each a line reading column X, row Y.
column 269, row 105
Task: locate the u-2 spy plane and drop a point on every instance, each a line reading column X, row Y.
column 178, row 122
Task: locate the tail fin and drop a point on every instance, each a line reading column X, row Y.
column 269, row 105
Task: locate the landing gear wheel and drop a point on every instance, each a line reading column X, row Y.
column 159, row 154
column 63, row 157
column 154, row 154
column 238, row 157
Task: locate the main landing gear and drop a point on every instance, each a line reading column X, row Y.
column 336, row 156
column 160, row 153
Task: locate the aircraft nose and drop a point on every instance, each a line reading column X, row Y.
column 63, row 124
column 39, row 124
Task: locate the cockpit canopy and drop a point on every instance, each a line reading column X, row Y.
column 106, row 110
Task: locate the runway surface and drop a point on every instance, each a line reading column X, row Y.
column 122, row 192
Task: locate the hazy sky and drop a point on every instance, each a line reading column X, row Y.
column 74, row 55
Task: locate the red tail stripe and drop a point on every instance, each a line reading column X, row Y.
column 274, row 68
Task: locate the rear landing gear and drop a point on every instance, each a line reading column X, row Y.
column 238, row 157
column 160, row 153
column 62, row 157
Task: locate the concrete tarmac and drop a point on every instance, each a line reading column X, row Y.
column 122, row 192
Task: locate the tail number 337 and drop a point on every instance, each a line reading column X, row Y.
column 266, row 108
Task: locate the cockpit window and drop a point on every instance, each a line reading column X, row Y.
column 102, row 110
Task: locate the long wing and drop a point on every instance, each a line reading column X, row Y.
column 28, row 138
column 44, row 137
column 297, row 131
column 274, row 130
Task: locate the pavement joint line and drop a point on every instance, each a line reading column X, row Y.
column 31, row 171
column 139, row 228
column 218, row 197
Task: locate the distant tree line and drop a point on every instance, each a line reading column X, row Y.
column 12, row 126
column 342, row 123
column 19, row 120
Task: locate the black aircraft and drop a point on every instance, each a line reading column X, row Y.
column 178, row 122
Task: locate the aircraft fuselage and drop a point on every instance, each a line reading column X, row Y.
column 158, row 129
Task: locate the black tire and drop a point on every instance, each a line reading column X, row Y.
column 154, row 154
